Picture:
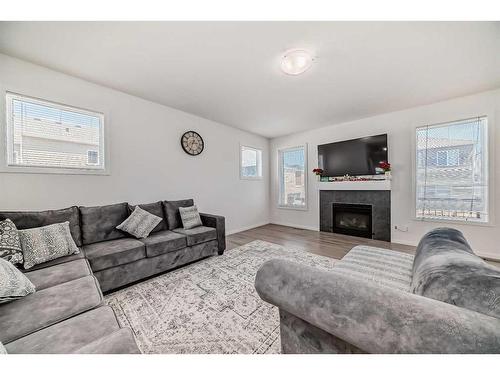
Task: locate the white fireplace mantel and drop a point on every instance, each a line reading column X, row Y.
column 355, row 185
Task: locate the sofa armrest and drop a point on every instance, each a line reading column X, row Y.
column 219, row 223
column 373, row 318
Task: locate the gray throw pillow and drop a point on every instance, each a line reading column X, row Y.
column 10, row 247
column 190, row 217
column 13, row 283
column 46, row 243
column 140, row 223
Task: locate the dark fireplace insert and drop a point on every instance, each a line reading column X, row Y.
column 353, row 219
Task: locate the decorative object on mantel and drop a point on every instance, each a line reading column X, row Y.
column 318, row 172
column 386, row 166
column 350, row 179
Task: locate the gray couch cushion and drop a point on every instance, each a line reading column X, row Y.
column 99, row 223
column 13, row 283
column 155, row 209
column 198, row 235
column 61, row 273
column 48, row 306
column 113, row 253
column 118, row 342
column 46, row 243
column 33, row 219
column 171, row 209
column 163, row 242
column 61, row 260
column 69, row 335
column 10, row 246
column 446, row 269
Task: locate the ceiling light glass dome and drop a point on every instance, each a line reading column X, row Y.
column 296, row 61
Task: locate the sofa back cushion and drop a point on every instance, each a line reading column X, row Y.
column 34, row 219
column 172, row 214
column 99, row 223
column 446, row 269
column 155, row 209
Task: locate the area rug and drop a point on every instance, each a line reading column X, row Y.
column 210, row 306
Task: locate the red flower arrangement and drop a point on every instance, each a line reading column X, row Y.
column 386, row 166
column 318, row 171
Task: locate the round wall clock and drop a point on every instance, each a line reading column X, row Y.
column 192, row 143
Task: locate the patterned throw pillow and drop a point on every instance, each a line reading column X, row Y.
column 10, row 247
column 140, row 223
column 46, row 243
column 190, row 217
column 13, row 283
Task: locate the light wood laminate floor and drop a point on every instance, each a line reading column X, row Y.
column 323, row 243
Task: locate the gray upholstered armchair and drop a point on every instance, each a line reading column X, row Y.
column 337, row 312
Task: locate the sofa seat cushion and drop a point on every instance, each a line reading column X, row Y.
column 388, row 268
column 99, row 223
column 35, row 219
column 164, row 242
column 47, row 307
column 446, row 269
column 198, row 235
column 107, row 254
column 59, row 274
column 68, row 335
column 51, row 263
column 118, row 342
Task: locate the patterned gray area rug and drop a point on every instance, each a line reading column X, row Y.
column 210, row 306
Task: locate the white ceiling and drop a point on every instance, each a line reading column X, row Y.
column 229, row 71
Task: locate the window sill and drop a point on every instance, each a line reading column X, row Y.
column 42, row 170
column 455, row 222
column 251, row 178
column 292, row 208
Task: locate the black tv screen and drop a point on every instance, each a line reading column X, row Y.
column 356, row 157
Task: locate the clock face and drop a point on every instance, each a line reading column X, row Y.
column 192, row 143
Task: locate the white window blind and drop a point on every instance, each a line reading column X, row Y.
column 42, row 134
column 452, row 171
column 292, row 178
column 251, row 163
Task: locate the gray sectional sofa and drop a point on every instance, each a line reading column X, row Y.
column 444, row 300
column 66, row 314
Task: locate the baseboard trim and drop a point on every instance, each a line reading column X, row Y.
column 228, row 233
column 295, row 226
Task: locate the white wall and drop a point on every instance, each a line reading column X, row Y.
column 400, row 129
column 146, row 159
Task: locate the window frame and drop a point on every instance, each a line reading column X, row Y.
column 259, row 161
column 6, row 134
column 280, row 152
column 491, row 157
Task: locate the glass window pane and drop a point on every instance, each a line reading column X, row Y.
column 45, row 134
column 452, row 171
column 251, row 162
column 293, row 178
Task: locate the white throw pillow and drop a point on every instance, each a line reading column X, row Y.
column 13, row 283
column 2, row 349
column 46, row 243
column 140, row 223
column 190, row 217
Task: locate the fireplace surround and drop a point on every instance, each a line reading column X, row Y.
column 379, row 201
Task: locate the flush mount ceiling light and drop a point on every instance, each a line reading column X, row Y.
column 296, row 61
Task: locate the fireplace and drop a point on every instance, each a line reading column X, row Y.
column 352, row 219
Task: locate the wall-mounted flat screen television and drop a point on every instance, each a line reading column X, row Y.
column 356, row 157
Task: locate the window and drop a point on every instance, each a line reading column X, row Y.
column 251, row 163
column 452, row 171
column 92, row 157
column 293, row 178
column 42, row 135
